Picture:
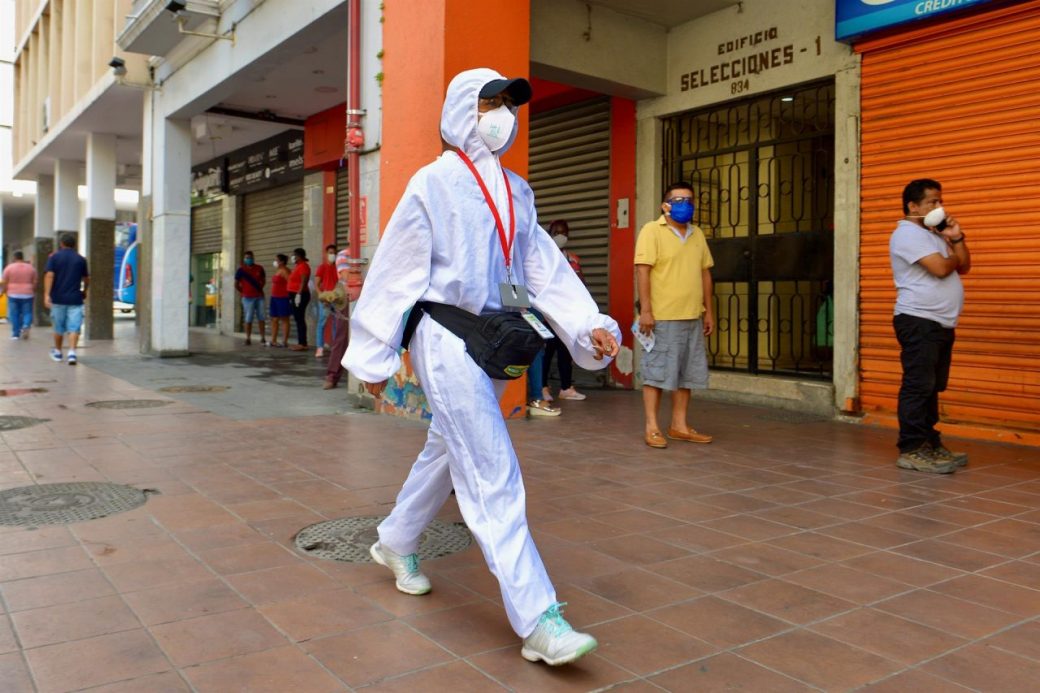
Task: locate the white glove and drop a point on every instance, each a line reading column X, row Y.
column 296, row 301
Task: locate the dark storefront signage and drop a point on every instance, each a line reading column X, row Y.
column 854, row 18
column 741, row 58
column 272, row 162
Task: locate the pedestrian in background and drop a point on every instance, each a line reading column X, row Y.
column 19, row 283
column 249, row 281
column 674, row 279
column 929, row 254
column 560, row 232
column 65, row 283
column 537, row 405
column 325, row 281
column 338, row 300
column 300, row 296
column 281, row 309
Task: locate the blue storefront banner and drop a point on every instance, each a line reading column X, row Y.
column 854, row 18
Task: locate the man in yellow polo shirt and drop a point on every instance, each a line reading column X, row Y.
column 672, row 269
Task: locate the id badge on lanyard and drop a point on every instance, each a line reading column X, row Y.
column 511, row 294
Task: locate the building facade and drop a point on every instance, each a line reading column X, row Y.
column 761, row 105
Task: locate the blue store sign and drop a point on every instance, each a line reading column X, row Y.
column 854, row 18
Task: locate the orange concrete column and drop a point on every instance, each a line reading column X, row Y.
column 425, row 44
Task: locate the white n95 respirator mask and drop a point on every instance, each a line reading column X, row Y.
column 935, row 217
column 496, row 127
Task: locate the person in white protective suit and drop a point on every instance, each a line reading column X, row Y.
column 463, row 234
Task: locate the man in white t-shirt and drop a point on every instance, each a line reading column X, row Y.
column 928, row 253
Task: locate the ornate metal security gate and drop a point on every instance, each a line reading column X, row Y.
column 762, row 171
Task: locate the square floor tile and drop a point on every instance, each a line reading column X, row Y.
column 902, row 568
column 638, row 589
column 763, row 558
column 917, row 681
column 819, row 661
column 456, row 677
column 217, row 636
column 273, row 671
column 67, row 559
column 51, row 590
column 638, row 549
column 180, row 601
column 986, row 668
column 371, row 654
column 231, row 560
column 467, row 630
column 727, row 672
column 950, row 555
column 645, row 646
column 793, row 603
column 15, row 674
column 67, row 622
column 279, row 584
column 95, row 661
column 322, row 614
column 848, row 584
column 707, row 574
column 719, row 622
column 995, row 594
column 590, row 673
column 948, row 614
column 889, row 636
column 166, row 682
column 1022, row 640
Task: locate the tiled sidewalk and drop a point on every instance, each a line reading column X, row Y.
column 788, row 555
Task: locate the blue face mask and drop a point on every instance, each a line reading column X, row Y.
column 248, row 261
column 682, row 212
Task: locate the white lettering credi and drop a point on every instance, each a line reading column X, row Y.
column 927, row 6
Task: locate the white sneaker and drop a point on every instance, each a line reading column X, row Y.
column 554, row 641
column 56, row 355
column 405, row 569
column 571, row 393
column 547, row 394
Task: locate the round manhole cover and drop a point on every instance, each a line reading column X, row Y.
column 60, row 504
column 13, row 423
column 349, row 538
column 129, row 403
column 194, row 388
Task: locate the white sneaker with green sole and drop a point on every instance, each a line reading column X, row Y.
column 405, row 568
column 554, row 641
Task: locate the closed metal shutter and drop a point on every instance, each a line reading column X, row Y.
column 981, row 140
column 342, row 209
column 273, row 222
column 569, row 171
column 206, row 228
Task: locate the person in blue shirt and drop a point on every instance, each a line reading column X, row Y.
column 65, row 283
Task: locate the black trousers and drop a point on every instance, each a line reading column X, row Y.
column 299, row 313
column 563, row 359
column 927, row 348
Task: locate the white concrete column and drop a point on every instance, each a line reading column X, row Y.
column 846, row 236
column 101, row 176
column 170, row 249
column 231, row 257
column 43, row 241
column 98, row 242
column 66, row 199
column 43, row 217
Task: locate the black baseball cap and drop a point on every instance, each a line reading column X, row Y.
column 518, row 88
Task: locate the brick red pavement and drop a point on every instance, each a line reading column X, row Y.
column 789, row 555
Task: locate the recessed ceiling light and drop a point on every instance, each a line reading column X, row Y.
column 326, row 90
column 787, row 99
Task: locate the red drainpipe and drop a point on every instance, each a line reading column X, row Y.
column 355, row 135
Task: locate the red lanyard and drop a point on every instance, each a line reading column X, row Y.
column 507, row 242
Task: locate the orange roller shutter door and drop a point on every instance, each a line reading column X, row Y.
column 959, row 101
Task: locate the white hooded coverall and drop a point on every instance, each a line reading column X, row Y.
column 441, row 245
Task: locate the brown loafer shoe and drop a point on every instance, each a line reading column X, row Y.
column 690, row 436
column 329, row 385
column 655, row 440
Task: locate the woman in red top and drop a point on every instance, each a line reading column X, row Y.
column 281, row 309
column 300, row 296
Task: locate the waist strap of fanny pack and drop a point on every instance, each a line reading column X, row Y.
column 454, row 319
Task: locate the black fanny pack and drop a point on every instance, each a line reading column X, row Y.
column 503, row 344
